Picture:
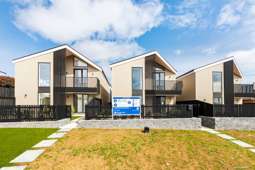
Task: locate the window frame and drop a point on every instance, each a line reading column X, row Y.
column 132, row 78
column 39, row 73
column 214, row 81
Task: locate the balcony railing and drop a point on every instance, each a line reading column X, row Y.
column 244, row 90
column 82, row 84
column 163, row 87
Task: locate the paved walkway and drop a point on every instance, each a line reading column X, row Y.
column 31, row 155
column 231, row 139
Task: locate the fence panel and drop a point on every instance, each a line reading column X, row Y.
column 34, row 113
column 167, row 111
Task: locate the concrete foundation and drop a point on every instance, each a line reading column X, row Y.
column 229, row 123
column 35, row 124
column 172, row 123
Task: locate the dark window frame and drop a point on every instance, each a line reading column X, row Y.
column 38, row 73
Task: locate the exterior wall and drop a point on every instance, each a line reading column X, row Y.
column 122, row 78
column 203, row 83
column 173, row 123
column 105, row 89
column 188, row 89
column 26, row 80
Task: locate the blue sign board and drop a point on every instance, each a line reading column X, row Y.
column 126, row 106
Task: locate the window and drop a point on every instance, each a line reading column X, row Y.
column 217, row 100
column 79, row 63
column 44, row 98
column 217, row 82
column 137, row 79
column 44, row 74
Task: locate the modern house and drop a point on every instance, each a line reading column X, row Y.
column 60, row 76
column 148, row 75
column 217, row 83
column 6, row 90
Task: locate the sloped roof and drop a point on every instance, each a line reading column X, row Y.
column 64, row 46
column 210, row 65
column 143, row 56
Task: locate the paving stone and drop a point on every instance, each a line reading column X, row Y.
column 57, row 135
column 13, row 168
column 225, row 136
column 28, row 156
column 69, row 126
column 210, row 130
column 253, row 150
column 64, row 130
column 45, row 143
column 242, row 144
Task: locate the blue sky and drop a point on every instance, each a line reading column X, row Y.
column 187, row 33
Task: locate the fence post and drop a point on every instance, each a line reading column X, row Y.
column 19, row 113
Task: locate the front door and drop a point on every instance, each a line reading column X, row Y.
column 82, row 101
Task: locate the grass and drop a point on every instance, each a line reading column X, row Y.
column 131, row 149
column 15, row 141
column 75, row 117
column 244, row 135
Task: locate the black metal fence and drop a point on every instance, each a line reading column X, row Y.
column 167, row 111
column 34, row 113
column 98, row 112
column 244, row 110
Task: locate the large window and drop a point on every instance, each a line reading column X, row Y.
column 217, row 82
column 217, row 87
column 44, row 98
column 137, row 78
column 44, row 74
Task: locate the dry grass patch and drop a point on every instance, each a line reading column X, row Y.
column 131, row 149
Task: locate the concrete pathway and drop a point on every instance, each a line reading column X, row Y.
column 57, row 135
column 45, row 143
column 13, row 168
column 230, row 138
column 28, row 156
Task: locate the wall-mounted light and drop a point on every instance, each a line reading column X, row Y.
column 25, row 96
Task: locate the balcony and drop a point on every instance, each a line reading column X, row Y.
column 82, row 84
column 163, row 87
column 244, row 90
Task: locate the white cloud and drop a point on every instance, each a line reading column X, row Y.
column 65, row 20
column 189, row 13
column 101, row 51
column 246, row 60
column 103, row 29
column 231, row 13
column 209, row 51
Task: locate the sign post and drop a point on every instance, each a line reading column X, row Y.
column 126, row 106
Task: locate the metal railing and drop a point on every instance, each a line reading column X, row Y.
column 167, row 111
column 82, row 82
column 244, row 89
column 34, row 113
column 167, row 86
column 243, row 110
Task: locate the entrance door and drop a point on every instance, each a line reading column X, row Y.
column 159, row 80
column 82, row 101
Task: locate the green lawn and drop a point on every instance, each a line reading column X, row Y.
column 14, row 141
